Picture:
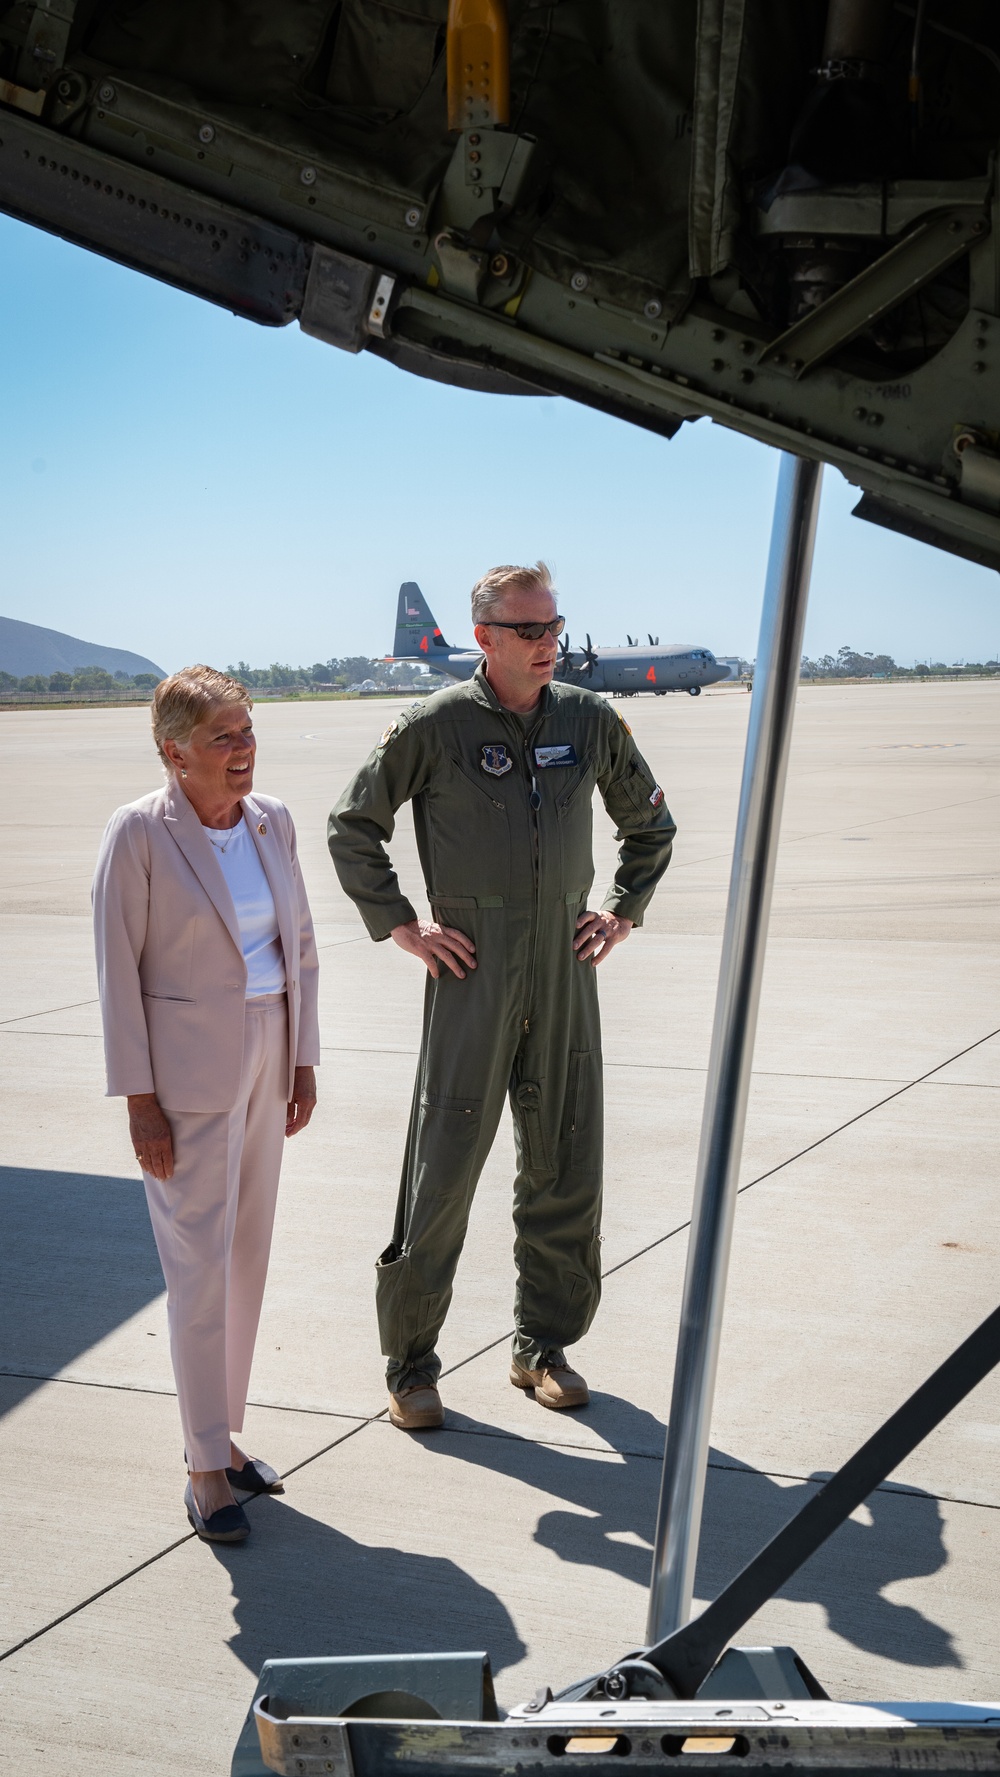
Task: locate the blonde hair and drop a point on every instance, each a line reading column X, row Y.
column 487, row 594
column 186, row 698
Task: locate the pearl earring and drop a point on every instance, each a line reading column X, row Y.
column 183, row 772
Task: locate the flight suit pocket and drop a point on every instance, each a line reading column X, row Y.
column 636, row 790
column 528, row 1110
column 583, row 778
column 469, row 836
column 392, row 1281
column 576, row 828
column 406, row 1321
column 448, row 1139
column 583, row 1120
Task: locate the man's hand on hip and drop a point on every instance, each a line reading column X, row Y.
column 597, row 934
column 435, row 944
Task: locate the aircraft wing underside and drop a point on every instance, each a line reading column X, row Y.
column 740, row 211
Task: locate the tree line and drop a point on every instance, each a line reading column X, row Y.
column 337, row 674
column 849, row 664
column 82, row 678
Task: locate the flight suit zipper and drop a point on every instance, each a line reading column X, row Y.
column 534, row 803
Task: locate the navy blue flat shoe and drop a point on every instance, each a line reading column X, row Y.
column 229, row 1524
column 255, row 1477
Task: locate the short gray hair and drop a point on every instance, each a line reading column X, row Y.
column 488, row 593
column 187, row 698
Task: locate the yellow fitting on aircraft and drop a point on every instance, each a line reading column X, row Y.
column 478, row 64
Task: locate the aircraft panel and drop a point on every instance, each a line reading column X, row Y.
column 779, row 216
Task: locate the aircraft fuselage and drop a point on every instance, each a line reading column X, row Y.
column 621, row 671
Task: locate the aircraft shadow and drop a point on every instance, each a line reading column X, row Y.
column 306, row 1588
column 611, row 1526
column 77, row 1259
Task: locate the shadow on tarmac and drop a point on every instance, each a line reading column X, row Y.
column 307, row 1589
column 614, row 1513
column 77, row 1259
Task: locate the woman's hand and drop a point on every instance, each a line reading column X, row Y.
column 303, row 1101
column 150, row 1132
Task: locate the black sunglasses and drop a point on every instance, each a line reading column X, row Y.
column 533, row 632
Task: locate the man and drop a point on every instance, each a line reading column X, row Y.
column 501, row 771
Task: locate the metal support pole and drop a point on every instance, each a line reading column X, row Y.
column 776, row 678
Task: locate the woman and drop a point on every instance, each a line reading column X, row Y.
column 208, row 976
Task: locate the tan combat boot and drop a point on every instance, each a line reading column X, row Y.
column 557, row 1387
column 416, row 1409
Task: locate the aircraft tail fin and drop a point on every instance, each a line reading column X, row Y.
column 417, row 634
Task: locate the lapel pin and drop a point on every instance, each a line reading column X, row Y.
column 262, row 829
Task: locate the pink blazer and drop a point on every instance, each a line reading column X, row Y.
column 169, row 958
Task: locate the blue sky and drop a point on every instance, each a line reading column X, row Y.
column 191, row 486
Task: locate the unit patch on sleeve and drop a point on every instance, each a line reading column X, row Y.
column 496, row 760
column 623, row 722
column 387, row 734
column 657, row 797
column 562, row 755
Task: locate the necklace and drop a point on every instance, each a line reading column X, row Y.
column 225, row 847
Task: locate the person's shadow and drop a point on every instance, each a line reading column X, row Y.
column 77, row 1260
column 309, row 1589
column 614, row 1513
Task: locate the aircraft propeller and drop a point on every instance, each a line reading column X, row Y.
column 633, row 641
column 654, row 641
column 565, row 666
column 589, row 659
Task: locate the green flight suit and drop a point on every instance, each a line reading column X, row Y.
column 503, row 811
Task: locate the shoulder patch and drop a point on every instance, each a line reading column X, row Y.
column 623, row 722
column 392, row 732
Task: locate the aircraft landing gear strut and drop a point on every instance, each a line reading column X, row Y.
column 779, row 653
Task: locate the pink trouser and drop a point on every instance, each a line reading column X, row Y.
column 212, row 1222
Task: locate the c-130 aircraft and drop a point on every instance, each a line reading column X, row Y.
column 624, row 671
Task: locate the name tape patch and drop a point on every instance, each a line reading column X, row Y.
column 548, row 756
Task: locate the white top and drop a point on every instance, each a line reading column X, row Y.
column 254, row 903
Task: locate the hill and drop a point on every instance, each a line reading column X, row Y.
column 27, row 648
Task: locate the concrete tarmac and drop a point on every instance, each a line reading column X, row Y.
column 866, row 1248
